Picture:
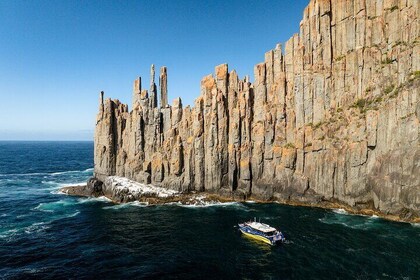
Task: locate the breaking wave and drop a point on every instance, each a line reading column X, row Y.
column 53, row 206
column 348, row 220
column 30, row 229
column 340, row 211
column 72, row 171
column 126, row 205
column 203, row 204
column 94, row 199
column 48, row 174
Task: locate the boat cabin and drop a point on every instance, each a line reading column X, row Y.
column 263, row 228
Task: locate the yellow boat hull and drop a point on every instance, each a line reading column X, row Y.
column 257, row 237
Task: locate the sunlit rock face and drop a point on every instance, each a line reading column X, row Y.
column 335, row 116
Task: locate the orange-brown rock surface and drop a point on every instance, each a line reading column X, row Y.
column 334, row 117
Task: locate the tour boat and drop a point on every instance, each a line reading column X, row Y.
column 262, row 232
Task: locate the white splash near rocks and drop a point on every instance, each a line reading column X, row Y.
column 129, row 190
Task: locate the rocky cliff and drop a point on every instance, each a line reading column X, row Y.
column 335, row 116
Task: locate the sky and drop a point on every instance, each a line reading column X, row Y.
column 56, row 56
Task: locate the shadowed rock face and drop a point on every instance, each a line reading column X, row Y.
column 333, row 117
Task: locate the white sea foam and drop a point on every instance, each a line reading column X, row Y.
column 53, row 206
column 57, row 189
column 116, row 206
column 344, row 212
column 31, row 229
column 53, row 186
column 15, row 181
column 23, row 174
column 138, row 189
column 36, row 227
column 53, row 183
column 72, row 184
column 139, row 203
column 72, row 214
column 71, row 171
column 128, row 204
column 94, row 199
column 201, row 204
column 177, row 203
column 350, row 221
column 56, row 186
column 416, row 225
column 340, row 211
column 9, row 233
column 39, row 208
column 21, row 216
column 47, row 174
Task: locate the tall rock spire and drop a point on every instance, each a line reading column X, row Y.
column 163, row 84
column 153, row 91
column 101, row 101
column 136, row 90
column 101, row 98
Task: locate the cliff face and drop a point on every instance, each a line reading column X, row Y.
column 333, row 117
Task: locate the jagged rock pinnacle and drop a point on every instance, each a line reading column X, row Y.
column 163, row 85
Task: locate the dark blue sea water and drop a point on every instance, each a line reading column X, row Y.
column 48, row 235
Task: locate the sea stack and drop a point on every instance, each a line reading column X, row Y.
column 334, row 117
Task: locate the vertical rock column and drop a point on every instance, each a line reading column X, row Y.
column 258, row 130
column 209, row 93
column 153, row 90
column 104, row 146
column 222, row 84
column 163, row 84
column 245, row 100
column 233, row 131
column 198, row 136
column 136, row 91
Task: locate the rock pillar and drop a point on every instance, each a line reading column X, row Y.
column 136, row 91
column 163, row 84
column 153, row 91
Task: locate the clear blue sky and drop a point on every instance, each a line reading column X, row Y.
column 55, row 56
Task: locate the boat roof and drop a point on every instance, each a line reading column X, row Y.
column 261, row 227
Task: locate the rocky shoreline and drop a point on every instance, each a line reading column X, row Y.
column 122, row 190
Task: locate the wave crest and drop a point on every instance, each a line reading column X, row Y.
column 48, row 174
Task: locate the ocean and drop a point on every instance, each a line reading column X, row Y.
column 48, row 235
